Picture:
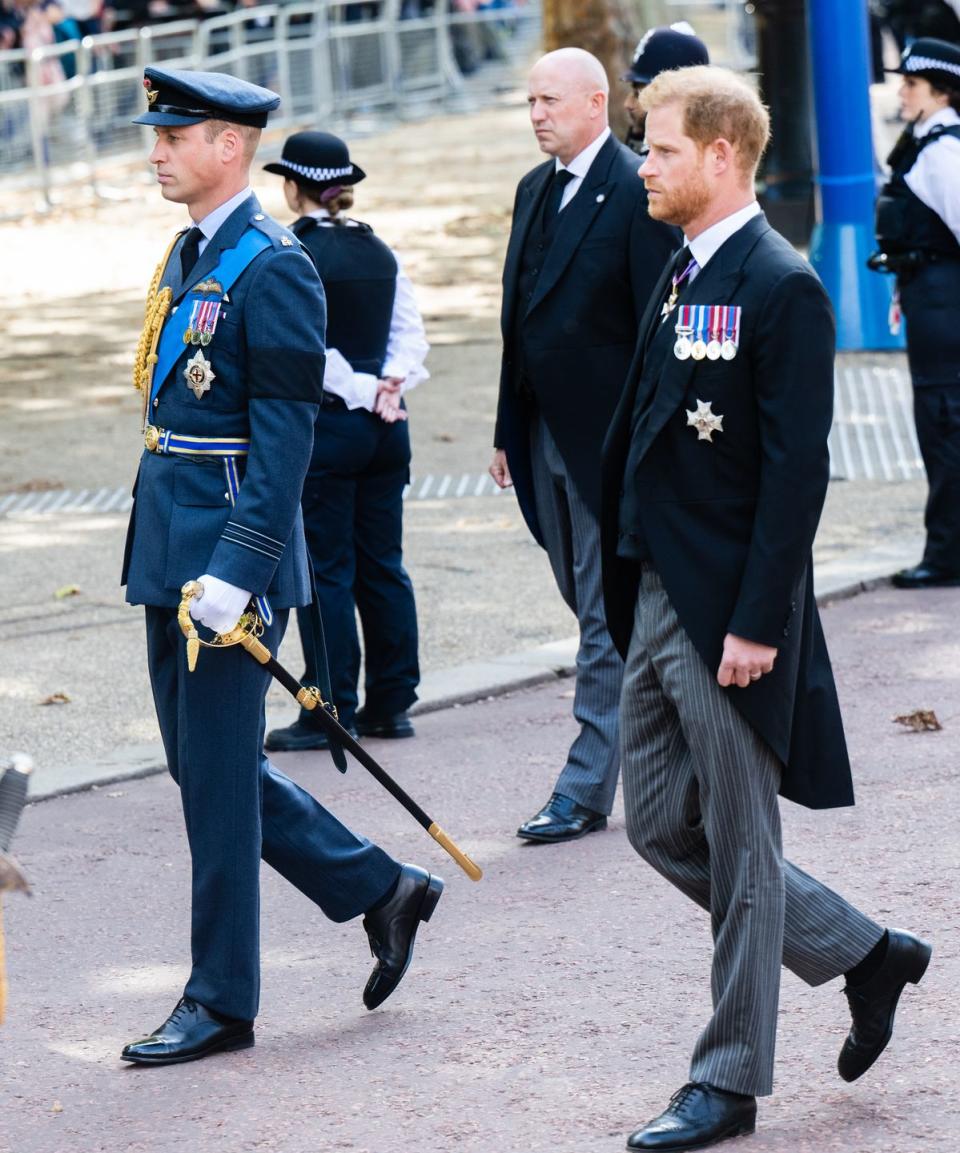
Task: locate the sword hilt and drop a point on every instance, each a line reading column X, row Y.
column 192, row 590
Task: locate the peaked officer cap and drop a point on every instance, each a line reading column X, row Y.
column 937, row 61
column 316, row 158
column 663, row 49
column 178, row 98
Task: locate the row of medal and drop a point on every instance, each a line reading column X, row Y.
column 203, row 322
column 710, row 331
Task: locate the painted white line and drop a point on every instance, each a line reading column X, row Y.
column 462, row 486
column 839, row 424
column 857, row 420
column 886, row 386
column 425, row 487
column 444, row 485
column 871, row 389
column 481, row 482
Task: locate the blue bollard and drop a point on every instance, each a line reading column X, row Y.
column 843, row 237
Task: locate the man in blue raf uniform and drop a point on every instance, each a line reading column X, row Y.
column 714, row 475
column 231, row 367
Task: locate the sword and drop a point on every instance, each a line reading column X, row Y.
column 245, row 634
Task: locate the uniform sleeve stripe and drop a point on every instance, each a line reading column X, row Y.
column 252, row 547
column 253, row 532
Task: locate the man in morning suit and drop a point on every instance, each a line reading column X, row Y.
column 236, row 317
column 714, row 475
column 582, row 260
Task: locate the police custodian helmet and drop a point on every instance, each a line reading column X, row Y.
column 178, row 98
column 662, row 50
column 937, row 61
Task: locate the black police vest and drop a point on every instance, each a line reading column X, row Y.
column 904, row 222
column 359, row 276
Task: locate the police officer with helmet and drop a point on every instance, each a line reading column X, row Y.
column 918, row 232
column 660, row 50
column 353, row 492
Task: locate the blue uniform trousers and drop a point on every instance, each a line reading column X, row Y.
column 930, row 304
column 353, row 520
column 237, row 807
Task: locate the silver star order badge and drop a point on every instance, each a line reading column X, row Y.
column 199, row 374
column 704, row 420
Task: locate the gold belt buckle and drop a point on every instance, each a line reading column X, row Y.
column 151, row 437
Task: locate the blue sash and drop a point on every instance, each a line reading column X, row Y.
column 232, row 262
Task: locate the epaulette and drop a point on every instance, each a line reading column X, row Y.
column 279, row 236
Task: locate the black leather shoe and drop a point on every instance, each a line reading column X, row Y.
column 387, row 728
column 392, row 929
column 874, row 1002
column 299, row 736
column 698, row 1115
column 190, row 1032
column 925, row 576
column 561, row 819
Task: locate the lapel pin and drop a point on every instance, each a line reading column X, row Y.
column 600, row 198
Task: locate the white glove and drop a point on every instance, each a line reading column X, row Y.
column 221, row 605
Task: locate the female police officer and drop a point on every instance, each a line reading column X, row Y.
column 918, row 231
column 353, row 493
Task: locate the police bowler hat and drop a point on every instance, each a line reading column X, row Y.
column 937, row 61
column 179, row 98
column 316, row 158
column 662, row 50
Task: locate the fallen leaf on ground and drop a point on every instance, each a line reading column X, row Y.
column 920, row 721
column 56, row 699
column 67, row 591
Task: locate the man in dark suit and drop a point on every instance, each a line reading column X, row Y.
column 582, row 260
column 714, row 475
column 231, row 367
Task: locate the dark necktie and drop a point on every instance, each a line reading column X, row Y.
column 190, row 251
column 561, row 178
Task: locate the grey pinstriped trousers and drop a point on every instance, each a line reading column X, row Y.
column 571, row 533
column 700, row 791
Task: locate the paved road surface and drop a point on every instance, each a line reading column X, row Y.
column 549, row 1008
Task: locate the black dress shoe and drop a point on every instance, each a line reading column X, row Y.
column 190, row 1032
column 395, row 727
column 561, row 819
column 299, row 736
column 698, row 1115
column 874, row 1002
column 925, row 576
column 392, row 929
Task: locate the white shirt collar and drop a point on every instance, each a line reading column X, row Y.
column 580, row 164
column 212, row 221
column 706, row 244
column 946, row 116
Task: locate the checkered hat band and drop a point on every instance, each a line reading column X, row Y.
column 318, row 174
column 926, row 63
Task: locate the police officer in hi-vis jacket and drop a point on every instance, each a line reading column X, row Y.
column 231, row 366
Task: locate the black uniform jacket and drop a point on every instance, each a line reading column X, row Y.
column 729, row 524
column 580, row 327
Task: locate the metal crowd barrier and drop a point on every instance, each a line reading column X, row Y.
column 65, row 109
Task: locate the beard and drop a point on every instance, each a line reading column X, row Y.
column 682, row 204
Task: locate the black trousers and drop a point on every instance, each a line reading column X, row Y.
column 353, row 517
column 931, row 305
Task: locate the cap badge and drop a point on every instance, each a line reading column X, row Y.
column 152, row 93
